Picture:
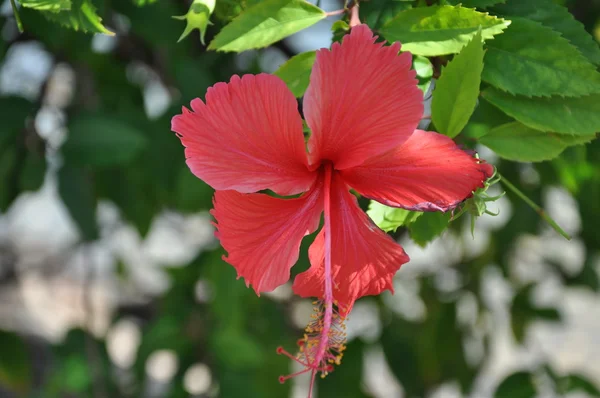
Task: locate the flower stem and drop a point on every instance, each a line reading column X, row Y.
column 354, row 18
column 535, row 207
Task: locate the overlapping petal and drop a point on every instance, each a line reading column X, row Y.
column 427, row 173
column 363, row 258
column 362, row 100
column 247, row 137
column 262, row 234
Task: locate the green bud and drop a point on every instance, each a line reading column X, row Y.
column 197, row 17
column 476, row 205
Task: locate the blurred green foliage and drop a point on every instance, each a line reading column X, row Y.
column 117, row 151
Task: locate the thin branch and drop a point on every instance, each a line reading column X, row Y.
column 336, row 12
column 535, row 207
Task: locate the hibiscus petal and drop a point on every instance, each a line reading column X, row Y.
column 426, row 173
column 247, row 137
column 362, row 100
column 262, row 234
column 363, row 258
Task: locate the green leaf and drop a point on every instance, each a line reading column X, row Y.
column 517, row 385
column 399, row 340
column 390, row 218
column 13, row 113
column 476, row 3
column 82, row 16
column 337, row 383
column 296, row 72
column 457, row 89
column 33, row 172
column 485, row 118
column 15, row 11
column 124, row 187
column 141, row 3
column 533, row 60
column 573, row 382
column 440, row 30
column 423, row 67
column 557, row 17
column 574, row 116
column 377, row 13
column 237, row 349
column 515, row 141
column 22, row 162
column 164, row 332
column 546, row 313
column 265, row 24
column 15, row 363
column 197, row 17
column 588, row 277
column 8, row 159
column 76, row 191
column 191, row 193
column 428, row 226
column 339, row 29
column 523, row 313
column 76, row 373
column 102, row 141
column 47, row 5
column 430, row 349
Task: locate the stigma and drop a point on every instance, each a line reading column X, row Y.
column 323, row 344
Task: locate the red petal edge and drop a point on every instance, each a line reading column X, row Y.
column 247, row 137
column 262, row 234
column 429, row 172
column 362, row 100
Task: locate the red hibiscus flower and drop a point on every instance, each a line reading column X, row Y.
column 362, row 106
